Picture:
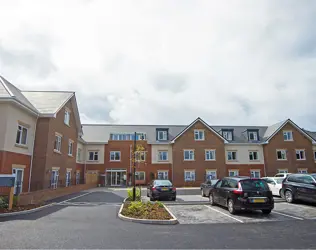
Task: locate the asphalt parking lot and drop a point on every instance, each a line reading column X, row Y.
column 89, row 220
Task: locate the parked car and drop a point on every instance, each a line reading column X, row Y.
column 158, row 189
column 240, row 193
column 206, row 187
column 275, row 184
column 299, row 187
column 282, row 175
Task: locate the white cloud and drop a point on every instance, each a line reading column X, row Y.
column 240, row 62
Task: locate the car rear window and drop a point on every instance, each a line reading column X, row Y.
column 258, row 185
column 279, row 181
column 163, row 183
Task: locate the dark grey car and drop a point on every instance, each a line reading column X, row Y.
column 161, row 189
column 206, row 187
column 299, row 187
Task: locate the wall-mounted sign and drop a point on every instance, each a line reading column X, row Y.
column 7, row 180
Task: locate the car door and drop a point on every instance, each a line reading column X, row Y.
column 216, row 191
column 207, row 187
column 223, row 192
column 307, row 188
column 272, row 185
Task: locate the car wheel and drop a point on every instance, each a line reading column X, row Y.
column 202, row 193
column 230, row 205
column 289, row 196
column 266, row 211
column 211, row 198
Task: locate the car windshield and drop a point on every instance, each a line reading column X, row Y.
column 314, row 176
column 279, row 181
column 163, row 183
column 254, row 185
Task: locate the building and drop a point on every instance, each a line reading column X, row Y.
column 188, row 154
column 38, row 137
column 43, row 142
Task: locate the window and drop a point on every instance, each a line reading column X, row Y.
column 302, row 170
column 93, row 155
column 140, row 156
column 21, row 135
column 306, row 179
column 199, row 135
column 233, row 173
column 77, row 178
column 300, row 154
column 70, row 147
column 252, row 135
column 255, row 173
column 115, row 156
column 127, row 137
column 162, row 175
column 163, row 156
column 283, row 171
column 232, row 155
column 54, row 179
column 253, row 156
column 68, row 178
column 288, row 135
column 315, row 155
column 140, row 176
column 188, row 155
column 228, row 135
column 79, row 154
column 162, row 135
column 210, row 155
column 281, row 154
column 211, row 174
column 67, row 117
column 189, row 175
column 57, row 146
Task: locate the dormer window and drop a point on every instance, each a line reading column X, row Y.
column 253, row 135
column 227, row 134
column 162, row 134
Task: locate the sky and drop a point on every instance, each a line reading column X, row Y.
column 229, row 62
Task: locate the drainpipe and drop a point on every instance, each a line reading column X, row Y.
column 85, row 166
column 32, row 156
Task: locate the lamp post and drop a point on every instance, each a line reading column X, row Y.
column 134, row 169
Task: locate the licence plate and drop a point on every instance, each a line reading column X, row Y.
column 257, row 200
column 164, row 189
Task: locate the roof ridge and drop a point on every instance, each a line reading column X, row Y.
column 112, row 124
column 6, row 87
column 49, row 91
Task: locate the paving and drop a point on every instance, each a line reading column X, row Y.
column 89, row 220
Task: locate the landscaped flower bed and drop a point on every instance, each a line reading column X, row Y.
column 4, row 206
column 145, row 210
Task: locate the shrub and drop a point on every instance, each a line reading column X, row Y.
column 130, row 194
column 4, row 202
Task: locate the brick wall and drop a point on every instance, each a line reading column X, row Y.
column 40, row 196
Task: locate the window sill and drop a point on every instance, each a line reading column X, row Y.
column 67, row 124
column 92, row 161
column 281, row 159
column 232, row 160
column 188, row 160
column 301, row 159
column 115, row 161
column 199, row 139
column 254, row 160
column 56, row 151
column 70, row 155
column 21, row 146
column 211, row 160
column 163, row 161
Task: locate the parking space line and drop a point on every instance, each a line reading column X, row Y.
column 74, row 197
column 224, row 213
column 287, row 215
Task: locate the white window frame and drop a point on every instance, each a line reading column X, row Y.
column 283, row 171
column 113, row 155
column 191, row 154
column 54, row 182
column 230, row 152
column 68, row 178
column 137, row 174
column 212, row 172
column 235, row 171
column 70, row 147
column 299, row 151
column 165, row 174
column 94, row 154
column 57, row 143
column 283, row 152
column 67, row 117
column 253, row 173
column 209, row 153
column 20, row 130
column 286, row 134
column 255, row 136
column 160, row 154
column 190, row 173
column 228, row 135
column 162, row 135
column 199, row 134
column 140, row 156
column 253, row 153
column 302, row 170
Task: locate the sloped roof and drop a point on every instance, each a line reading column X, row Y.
column 48, row 102
column 8, row 90
column 272, row 129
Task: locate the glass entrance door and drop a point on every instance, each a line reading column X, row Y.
column 116, row 178
column 18, row 180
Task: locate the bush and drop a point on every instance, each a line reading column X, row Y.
column 130, row 194
column 4, row 202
